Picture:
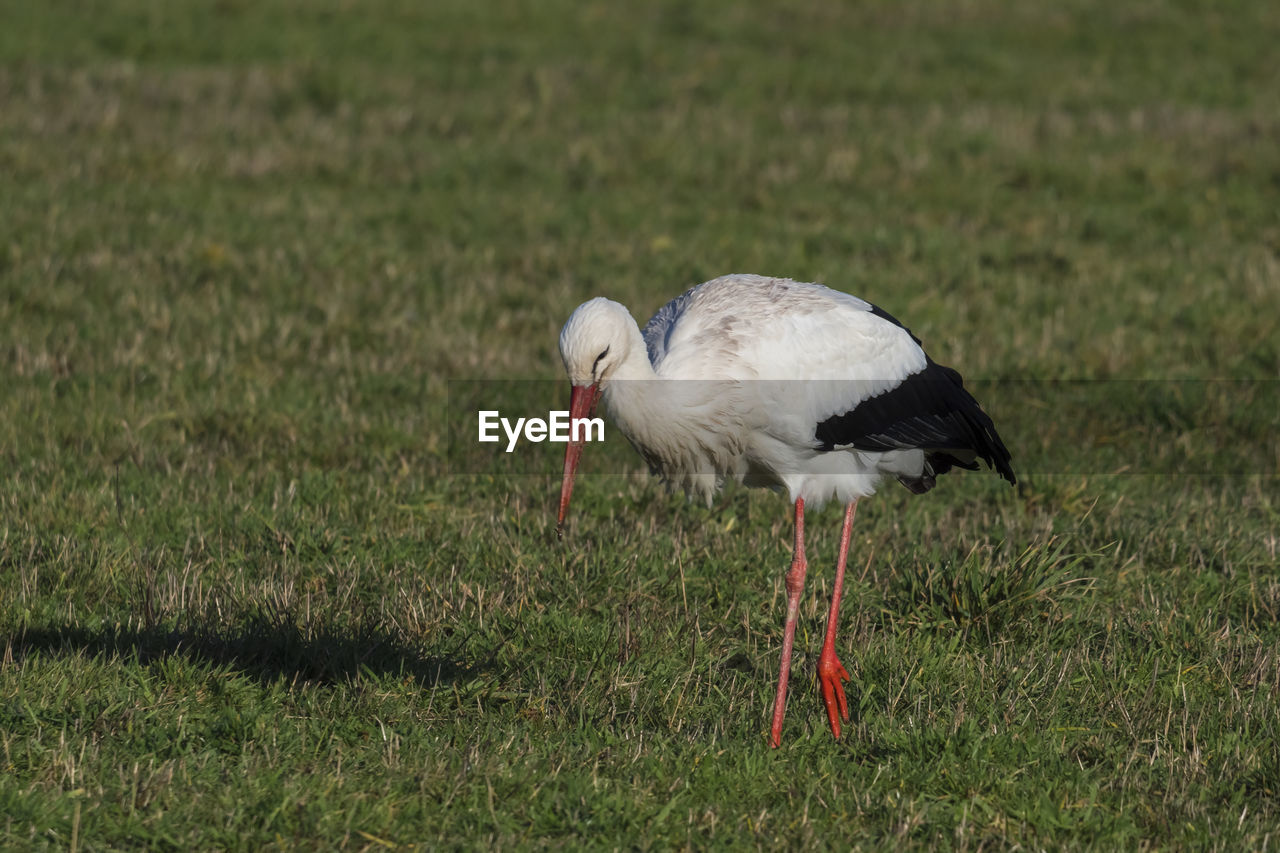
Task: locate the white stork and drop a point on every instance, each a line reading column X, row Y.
column 776, row 383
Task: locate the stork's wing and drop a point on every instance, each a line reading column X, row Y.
column 930, row 410
column 748, row 327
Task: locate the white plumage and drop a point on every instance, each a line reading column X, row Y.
column 775, row 383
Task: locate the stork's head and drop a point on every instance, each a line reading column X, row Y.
column 595, row 340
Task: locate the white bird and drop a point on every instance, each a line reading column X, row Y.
column 776, row 383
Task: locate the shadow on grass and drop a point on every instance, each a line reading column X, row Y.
column 264, row 649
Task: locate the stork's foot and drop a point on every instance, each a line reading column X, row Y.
column 831, row 676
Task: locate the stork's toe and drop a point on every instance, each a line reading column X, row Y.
column 831, row 676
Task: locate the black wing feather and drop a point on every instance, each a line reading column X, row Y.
column 930, row 411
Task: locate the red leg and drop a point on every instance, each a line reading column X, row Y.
column 831, row 673
column 795, row 583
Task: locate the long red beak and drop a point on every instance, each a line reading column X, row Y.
column 582, row 404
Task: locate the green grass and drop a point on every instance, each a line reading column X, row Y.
column 248, row 250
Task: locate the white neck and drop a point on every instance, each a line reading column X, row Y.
column 636, row 365
column 631, row 394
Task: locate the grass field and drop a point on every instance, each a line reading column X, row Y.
column 248, row 248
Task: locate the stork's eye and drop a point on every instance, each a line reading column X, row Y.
column 599, row 358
